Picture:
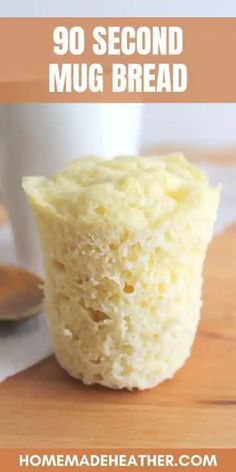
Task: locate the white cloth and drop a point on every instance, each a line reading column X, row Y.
column 24, row 344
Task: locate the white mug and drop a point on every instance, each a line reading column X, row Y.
column 39, row 139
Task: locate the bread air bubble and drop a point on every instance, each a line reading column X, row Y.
column 124, row 316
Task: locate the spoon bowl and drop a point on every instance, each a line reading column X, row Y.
column 21, row 294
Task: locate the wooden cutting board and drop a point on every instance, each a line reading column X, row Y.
column 45, row 407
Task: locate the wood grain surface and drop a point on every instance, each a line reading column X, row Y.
column 43, row 406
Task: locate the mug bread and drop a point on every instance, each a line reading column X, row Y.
column 124, row 242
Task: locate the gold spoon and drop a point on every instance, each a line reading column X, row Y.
column 21, row 294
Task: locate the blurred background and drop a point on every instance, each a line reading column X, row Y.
column 165, row 125
column 39, row 139
column 191, row 127
column 200, row 127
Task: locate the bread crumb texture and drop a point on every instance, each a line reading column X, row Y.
column 124, row 242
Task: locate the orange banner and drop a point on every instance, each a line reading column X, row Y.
column 220, row 460
column 117, row 60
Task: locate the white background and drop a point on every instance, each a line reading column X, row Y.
column 204, row 125
column 117, row 8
